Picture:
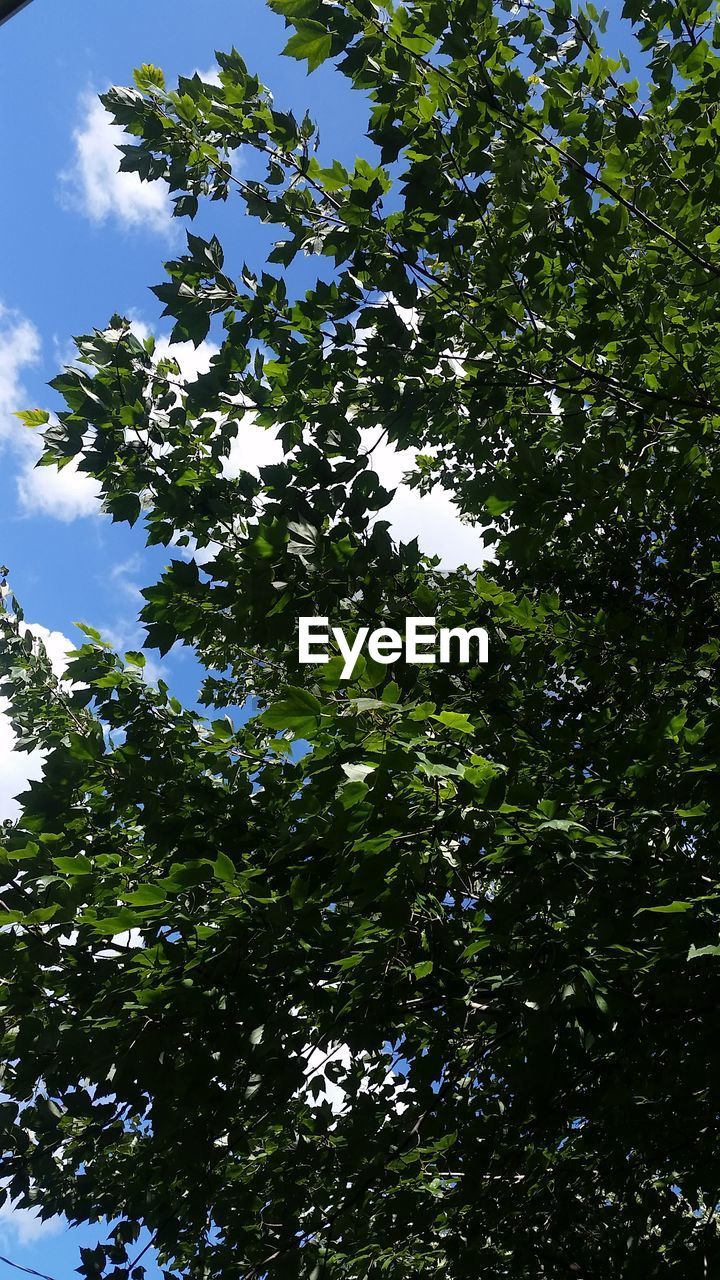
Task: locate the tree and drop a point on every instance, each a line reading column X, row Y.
column 481, row 902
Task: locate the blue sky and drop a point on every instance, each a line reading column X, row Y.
column 79, row 243
column 76, row 247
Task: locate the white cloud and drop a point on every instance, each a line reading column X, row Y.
column 69, row 494
column 210, row 76
column 19, row 347
column 94, row 185
column 18, row 768
column 253, row 447
column 432, row 518
column 56, row 645
column 65, row 495
column 25, row 1226
column 192, row 360
column 435, row 521
column 315, row 1072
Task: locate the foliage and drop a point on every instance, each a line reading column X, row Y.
column 482, row 903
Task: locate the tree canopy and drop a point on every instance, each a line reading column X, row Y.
column 429, row 973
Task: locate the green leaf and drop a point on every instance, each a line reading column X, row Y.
column 147, row 895
column 77, row 866
column 510, row 296
column 33, row 417
column 455, row 720
column 561, row 824
column 148, row 76
column 311, row 42
column 497, row 505
column 298, row 710
column 122, row 922
column 670, row 908
column 224, row 868
column 694, row 951
column 353, row 793
column 24, row 853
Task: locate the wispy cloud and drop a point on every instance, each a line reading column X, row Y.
column 25, row 1226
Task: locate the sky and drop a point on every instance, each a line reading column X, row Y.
column 79, row 242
